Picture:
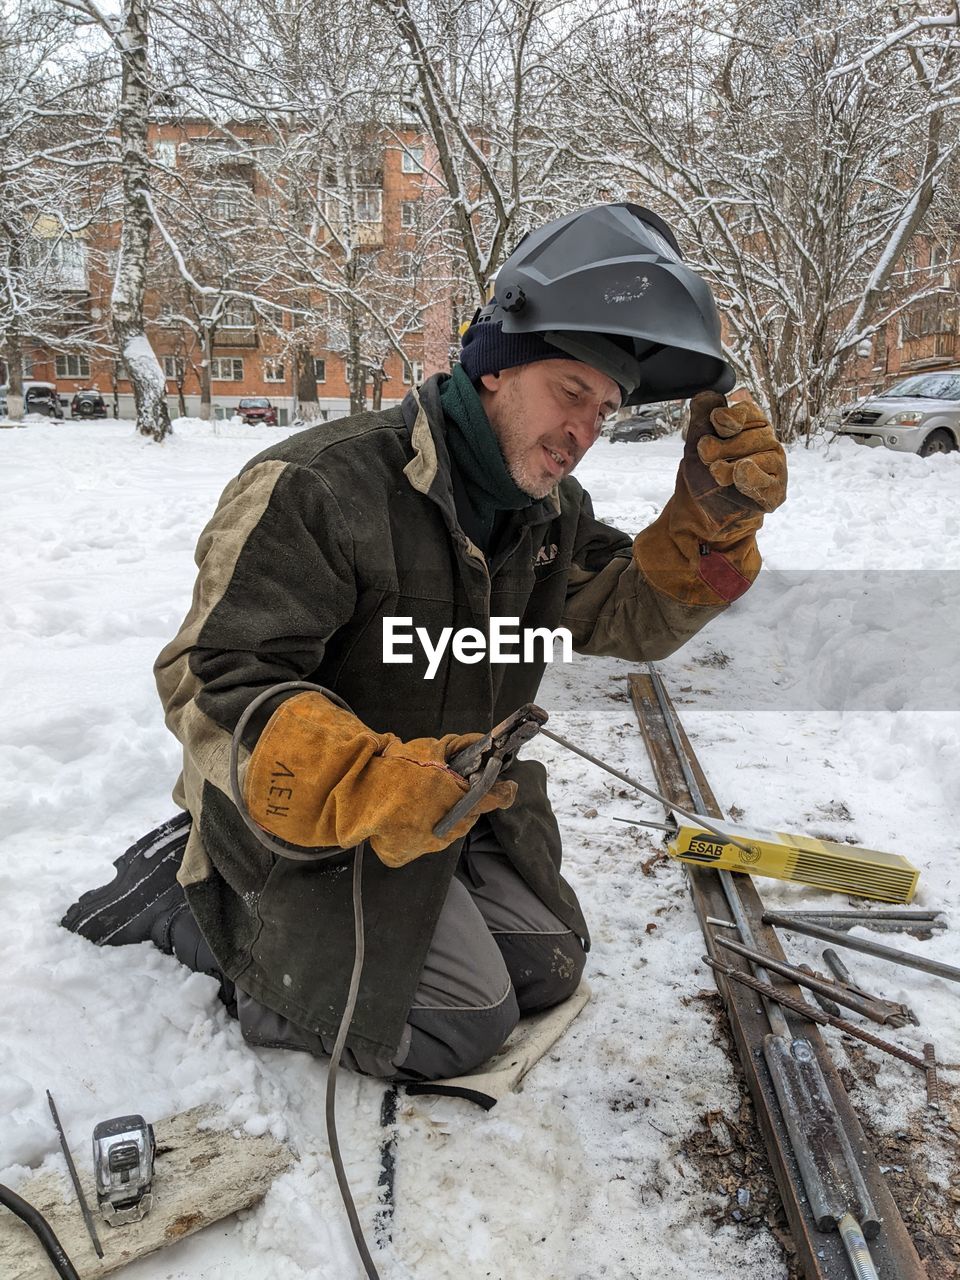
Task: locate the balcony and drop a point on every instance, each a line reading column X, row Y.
column 247, row 336
column 929, row 351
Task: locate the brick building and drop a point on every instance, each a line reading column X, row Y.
column 925, row 336
column 255, row 347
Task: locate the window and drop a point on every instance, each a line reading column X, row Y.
column 320, row 369
column 412, row 161
column 173, row 367
column 413, row 372
column 68, row 260
column 26, row 366
column 367, row 205
column 227, row 206
column 73, row 367
column 408, row 213
column 165, row 153
column 237, row 314
column 226, row 369
column 274, row 369
column 936, row 315
column 408, row 264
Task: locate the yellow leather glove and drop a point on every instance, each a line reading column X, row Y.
column 702, row 549
column 732, row 461
column 319, row 777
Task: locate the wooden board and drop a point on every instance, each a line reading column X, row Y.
column 821, row 1254
column 523, row 1049
column 202, row 1175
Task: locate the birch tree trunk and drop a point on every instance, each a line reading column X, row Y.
column 14, row 374
column 206, row 367
column 305, row 384
column 143, row 368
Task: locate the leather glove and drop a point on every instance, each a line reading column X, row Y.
column 702, row 549
column 319, row 777
column 734, row 466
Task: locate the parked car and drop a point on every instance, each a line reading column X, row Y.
column 254, row 409
column 920, row 415
column 644, row 422
column 38, row 397
column 88, row 404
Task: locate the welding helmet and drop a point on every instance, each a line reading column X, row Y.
column 606, row 286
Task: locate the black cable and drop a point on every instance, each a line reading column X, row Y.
column 42, row 1229
column 283, row 851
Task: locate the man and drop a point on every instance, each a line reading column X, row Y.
column 452, row 509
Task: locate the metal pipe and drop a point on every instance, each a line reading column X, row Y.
column 869, row 948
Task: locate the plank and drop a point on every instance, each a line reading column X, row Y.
column 202, row 1175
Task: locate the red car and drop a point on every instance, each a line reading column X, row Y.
column 256, row 409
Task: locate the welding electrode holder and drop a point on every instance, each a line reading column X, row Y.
column 483, row 761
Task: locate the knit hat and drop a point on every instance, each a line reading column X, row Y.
column 487, row 349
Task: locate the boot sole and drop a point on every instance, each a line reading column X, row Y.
column 145, row 876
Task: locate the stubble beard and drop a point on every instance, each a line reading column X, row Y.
column 518, row 451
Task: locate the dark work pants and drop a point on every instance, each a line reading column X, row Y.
column 497, row 952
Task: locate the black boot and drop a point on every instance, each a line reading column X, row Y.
column 145, row 903
column 142, row 900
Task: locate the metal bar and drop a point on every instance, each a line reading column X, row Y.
column 819, row 1256
column 640, row 822
column 837, row 967
column 775, row 1015
column 823, row 1001
column 936, row 967
column 868, row 915
column 647, row 791
column 828, row 989
column 815, row 1015
column 896, row 1015
column 920, row 924
column 75, row 1178
column 933, row 1084
column 856, row 1247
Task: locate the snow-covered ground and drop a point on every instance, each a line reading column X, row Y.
column 826, row 701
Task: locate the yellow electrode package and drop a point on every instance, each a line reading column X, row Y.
column 839, row 868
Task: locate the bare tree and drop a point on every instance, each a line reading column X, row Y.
column 51, row 189
column 484, row 80
column 798, row 155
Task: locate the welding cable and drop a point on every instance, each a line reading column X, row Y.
column 42, row 1229
column 285, row 851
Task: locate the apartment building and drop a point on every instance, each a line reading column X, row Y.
column 230, row 320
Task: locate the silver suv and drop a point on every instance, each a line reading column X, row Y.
column 919, row 415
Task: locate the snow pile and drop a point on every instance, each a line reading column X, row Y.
column 580, row 1174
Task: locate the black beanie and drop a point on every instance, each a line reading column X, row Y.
column 487, row 349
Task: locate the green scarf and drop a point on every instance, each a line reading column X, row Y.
column 474, row 451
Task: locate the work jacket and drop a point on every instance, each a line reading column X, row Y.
column 312, row 546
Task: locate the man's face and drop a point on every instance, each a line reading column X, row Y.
column 546, row 416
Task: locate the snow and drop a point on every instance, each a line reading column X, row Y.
column 580, row 1175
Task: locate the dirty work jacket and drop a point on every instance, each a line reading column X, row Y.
column 311, row 547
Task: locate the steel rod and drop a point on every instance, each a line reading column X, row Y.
column 815, row 1015
column 647, row 791
column 830, row 990
column 869, row 948
column 75, row 1178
